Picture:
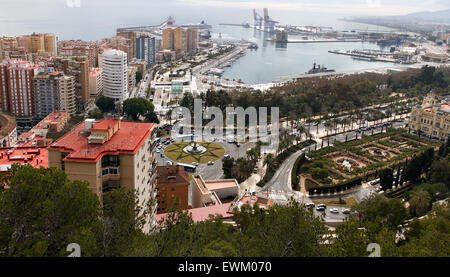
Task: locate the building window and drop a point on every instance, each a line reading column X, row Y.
column 110, row 171
column 110, row 160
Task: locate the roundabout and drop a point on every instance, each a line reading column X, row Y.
column 199, row 152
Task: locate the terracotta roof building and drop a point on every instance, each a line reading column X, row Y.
column 173, row 186
column 109, row 153
column 34, row 156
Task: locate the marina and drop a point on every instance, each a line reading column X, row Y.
column 368, row 55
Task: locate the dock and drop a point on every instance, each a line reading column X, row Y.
column 366, row 56
column 322, row 40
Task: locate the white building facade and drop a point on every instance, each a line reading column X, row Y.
column 115, row 74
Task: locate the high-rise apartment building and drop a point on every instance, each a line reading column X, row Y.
column 123, row 44
column 95, row 82
column 174, row 39
column 91, row 49
column 109, row 154
column 192, row 38
column 115, row 74
column 132, row 36
column 76, row 66
column 53, row 92
column 41, row 44
column 146, row 49
column 16, row 87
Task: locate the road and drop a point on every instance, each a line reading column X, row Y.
column 213, row 172
column 279, row 187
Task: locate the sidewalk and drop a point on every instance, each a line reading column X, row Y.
column 250, row 183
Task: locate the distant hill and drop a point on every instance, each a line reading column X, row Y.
column 441, row 17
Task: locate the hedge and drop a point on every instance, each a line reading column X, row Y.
column 297, row 165
column 336, row 188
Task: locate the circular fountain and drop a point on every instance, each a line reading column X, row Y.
column 194, row 148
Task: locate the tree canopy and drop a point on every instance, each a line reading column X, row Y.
column 137, row 107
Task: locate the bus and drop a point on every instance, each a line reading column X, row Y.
column 188, row 167
column 186, row 137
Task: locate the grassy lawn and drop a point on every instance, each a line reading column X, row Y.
column 349, row 201
column 175, row 152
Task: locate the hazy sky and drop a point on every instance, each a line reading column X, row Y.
column 342, row 7
column 98, row 18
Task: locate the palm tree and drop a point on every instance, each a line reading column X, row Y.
column 169, row 116
column 269, row 160
column 317, row 121
column 328, row 125
column 336, row 121
column 344, row 123
column 301, row 130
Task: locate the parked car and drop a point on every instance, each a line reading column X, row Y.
column 320, row 208
column 162, row 155
column 322, row 205
column 334, row 210
column 195, row 164
column 169, row 163
column 210, row 163
column 346, row 211
column 226, row 156
column 310, row 205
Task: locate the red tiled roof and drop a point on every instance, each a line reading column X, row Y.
column 127, row 139
column 105, row 124
column 201, row 214
column 252, row 199
column 34, row 156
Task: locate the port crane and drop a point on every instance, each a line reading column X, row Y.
column 267, row 21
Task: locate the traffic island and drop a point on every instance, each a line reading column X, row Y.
column 179, row 151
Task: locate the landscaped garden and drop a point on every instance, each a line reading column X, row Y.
column 177, row 152
column 345, row 165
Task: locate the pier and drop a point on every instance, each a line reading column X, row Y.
column 369, row 55
column 319, row 40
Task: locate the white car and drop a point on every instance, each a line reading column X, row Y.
column 169, row 163
column 346, row 211
column 334, row 210
column 210, row 163
column 195, row 164
column 226, row 156
column 158, row 151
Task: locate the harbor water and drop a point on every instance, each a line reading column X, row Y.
column 272, row 61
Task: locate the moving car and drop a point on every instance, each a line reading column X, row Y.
column 226, row 156
column 210, row 163
column 195, row 164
